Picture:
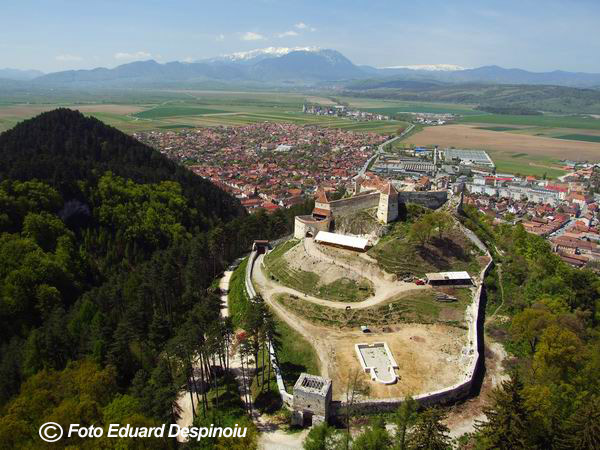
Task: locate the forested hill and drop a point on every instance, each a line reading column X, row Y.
column 62, row 147
column 107, row 255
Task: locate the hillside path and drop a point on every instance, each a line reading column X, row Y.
column 385, row 288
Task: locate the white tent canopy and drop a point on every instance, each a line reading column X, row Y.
column 325, row 237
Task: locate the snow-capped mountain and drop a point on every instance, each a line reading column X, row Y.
column 303, row 66
column 262, row 53
column 430, row 67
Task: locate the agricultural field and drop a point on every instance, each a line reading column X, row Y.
column 551, row 121
column 189, row 109
column 423, row 108
column 523, row 150
column 397, row 106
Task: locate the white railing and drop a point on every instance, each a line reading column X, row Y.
column 286, row 398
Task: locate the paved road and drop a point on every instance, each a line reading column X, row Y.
column 380, row 150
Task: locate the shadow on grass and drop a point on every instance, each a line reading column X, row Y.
column 291, row 372
column 268, row 401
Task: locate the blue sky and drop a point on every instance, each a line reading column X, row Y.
column 538, row 35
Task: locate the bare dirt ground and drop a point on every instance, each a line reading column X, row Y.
column 298, row 259
column 428, row 355
column 462, row 417
column 468, row 136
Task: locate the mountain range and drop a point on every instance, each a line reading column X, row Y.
column 290, row 66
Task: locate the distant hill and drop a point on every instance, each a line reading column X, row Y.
column 496, row 75
column 325, row 69
column 300, row 66
column 559, row 99
column 17, row 74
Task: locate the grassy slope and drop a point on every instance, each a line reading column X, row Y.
column 307, row 282
column 419, row 306
column 295, row 354
column 396, row 254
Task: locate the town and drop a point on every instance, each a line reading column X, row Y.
column 342, row 111
column 271, row 166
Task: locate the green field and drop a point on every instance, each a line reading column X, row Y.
column 418, row 306
column 498, row 128
column 514, row 165
column 422, row 108
column 540, row 121
column 579, row 137
column 175, row 111
column 194, row 108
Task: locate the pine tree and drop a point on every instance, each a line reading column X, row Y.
column 429, row 432
column 507, row 424
column 582, row 429
column 404, row 419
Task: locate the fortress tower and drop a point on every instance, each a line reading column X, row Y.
column 387, row 210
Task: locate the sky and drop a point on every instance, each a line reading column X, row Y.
column 537, row 35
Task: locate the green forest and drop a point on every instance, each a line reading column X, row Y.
column 107, row 255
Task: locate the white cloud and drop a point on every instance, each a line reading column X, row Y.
column 188, row 59
column 68, row 58
column 251, row 36
column 130, row 56
column 287, row 34
column 303, row 26
column 220, row 37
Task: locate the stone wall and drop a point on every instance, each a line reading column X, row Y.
column 304, row 224
column 429, row 199
column 353, row 204
column 473, row 352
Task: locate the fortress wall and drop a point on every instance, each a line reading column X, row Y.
column 350, row 205
column 429, row 199
column 474, row 351
column 287, row 399
column 303, row 224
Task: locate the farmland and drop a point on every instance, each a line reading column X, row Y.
column 188, row 109
column 513, row 151
column 538, row 121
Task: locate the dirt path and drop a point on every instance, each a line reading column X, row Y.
column 462, row 417
column 385, row 286
column 184, row 402
column 268, row 290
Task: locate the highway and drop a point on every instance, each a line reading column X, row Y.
column 380, row 150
